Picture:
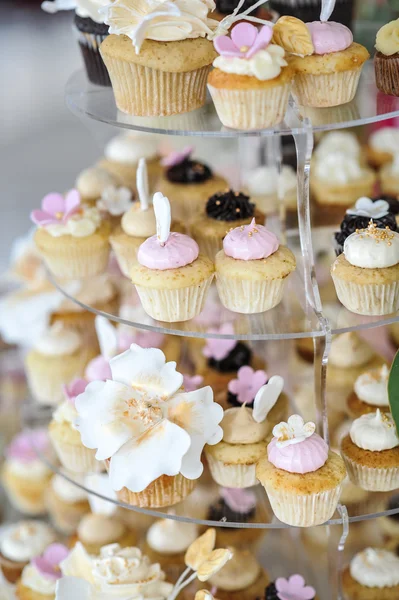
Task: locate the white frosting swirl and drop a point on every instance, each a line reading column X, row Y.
column 265, row 180
column 34, row 580
column 348, row 350
column 127, row 149
column 69, row 492
column 65, row 413
column 32, row 470
column 338, row 168
column 375, row 568
column 167, row 536
column 385, row 139
column 375, row 432
column 81, row 224
column 264, row 65
column 372, row 387
column 25, row 540
column 126, row 572
column 343, row 142
column 58, row 341
column 372, row 249
column 89, row 8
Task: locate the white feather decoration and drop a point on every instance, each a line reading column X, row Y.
column 327, row 6
column 142, row 184
column 163, row 217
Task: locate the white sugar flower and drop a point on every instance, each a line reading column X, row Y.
column 144, row 423
column 365, row 207
column 293, row 432
column 115, row 201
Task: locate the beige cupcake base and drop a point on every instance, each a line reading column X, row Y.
column 367, row 299
column 372, row 479
column 72, row 454
column 24, row 593
column 353, row 590
column 125, row 248
column 64, row 516
column 303, row 510
column 27, row 496
column 251, row 109
column 324, row 90
column 164, row 491
column 249, row 296
column 232, row 475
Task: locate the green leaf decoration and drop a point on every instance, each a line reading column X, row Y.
column 393, row 390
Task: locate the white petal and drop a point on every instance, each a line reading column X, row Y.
column 107, row 337
column 146, row 369
column 100, row 483
column 71, row 588
column 77, row 564
column 158, row 452
column 267, row 397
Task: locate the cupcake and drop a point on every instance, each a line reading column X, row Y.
column 251, row 82
column 64, row 436
column 245, row 430
column 242, row 578
column 223, row 211
column 389, row 178
column 123, row 153
column 158, row 71
column 90, row 31
column 366, row 274
column 158, row 416
column 251, row 269
column 326, row 60
column 302, row 478
column 25, row 474
column 343, row 142
column 39, row 578
column 358, row 217
column 97, row 530
column 166, row 543
column 373, row 574
column 58, row 357
column 371, row 452
column 71, row 238
column 382, row 146
column 66, row 502
column 20, row 543
column 266, row 187
column 171, row 277
column 188, row 183
column 386, row 59
column 293, row 587
column 370, row 391
column 93, row 181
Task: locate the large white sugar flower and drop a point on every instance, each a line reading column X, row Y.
column 144, row 423
column 365, row 207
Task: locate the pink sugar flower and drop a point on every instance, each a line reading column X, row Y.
column 48, row 563
column 25, row 445
column 247, row 384
column 245, row 41
column 191, row 384
column 219, row 348
column 98, row 369
column 294, row 588
column 239, row 500
column 56, row 209
column 176, row 157
column 74, row 389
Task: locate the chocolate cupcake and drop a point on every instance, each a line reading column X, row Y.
column 386, row 59
column 188, row 183
column 223, row 211
column 359, row 217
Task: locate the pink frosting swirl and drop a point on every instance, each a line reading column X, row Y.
column 250, row 242
column 25, row 445
column 303, row 457
column 178, row 251
column 329, row 36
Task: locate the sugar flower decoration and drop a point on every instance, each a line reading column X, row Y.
column 365, row 207
column 115, row 201
column 247, row 384
column 219, row 348
column 48, row 564
column 294, row 588
column 73, row 389
column 293, row 432
column 266, row 397
column 177, row 157
column 56, row 209
column 142, row 421
column 192, row 383
column 239, row 500
column 245, row 41
column 26, row 445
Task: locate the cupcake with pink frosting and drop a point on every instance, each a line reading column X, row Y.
column 301, row 476
column 326, row 60
column 251, row 269
column 39, row 578
column 171, row 277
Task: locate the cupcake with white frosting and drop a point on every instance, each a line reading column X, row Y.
column 366, row 274
column 66, row 502
column 242, row 578
column 266, row 186
column 343, row 142
column 382, row 146
column 96, row 530
column 251, row 82
column 372, row 574
column 39, row 578
column 20, row 543
column 71, row 237
column 58, row 357
column 371, row 452
column 25, row 474
column 93, row 181
column 370, row 392
column 389, row 177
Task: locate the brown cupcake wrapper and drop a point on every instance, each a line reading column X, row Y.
column 387, row 73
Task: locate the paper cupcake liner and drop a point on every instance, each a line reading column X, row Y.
column 330, row 89
column 372, row 479
column 303, row 510
column 251, row 109
column 234, row 476
column 89, row 44
column 77, row 459
column 164, row 491
column 174, row 305
column 125, row 254
column 386, row 74
column 368, row 299
column 143, row 91
column 247, row 296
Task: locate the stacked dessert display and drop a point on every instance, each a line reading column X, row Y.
column 175, row 323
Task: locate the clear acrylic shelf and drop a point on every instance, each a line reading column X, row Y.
column 369, row 105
